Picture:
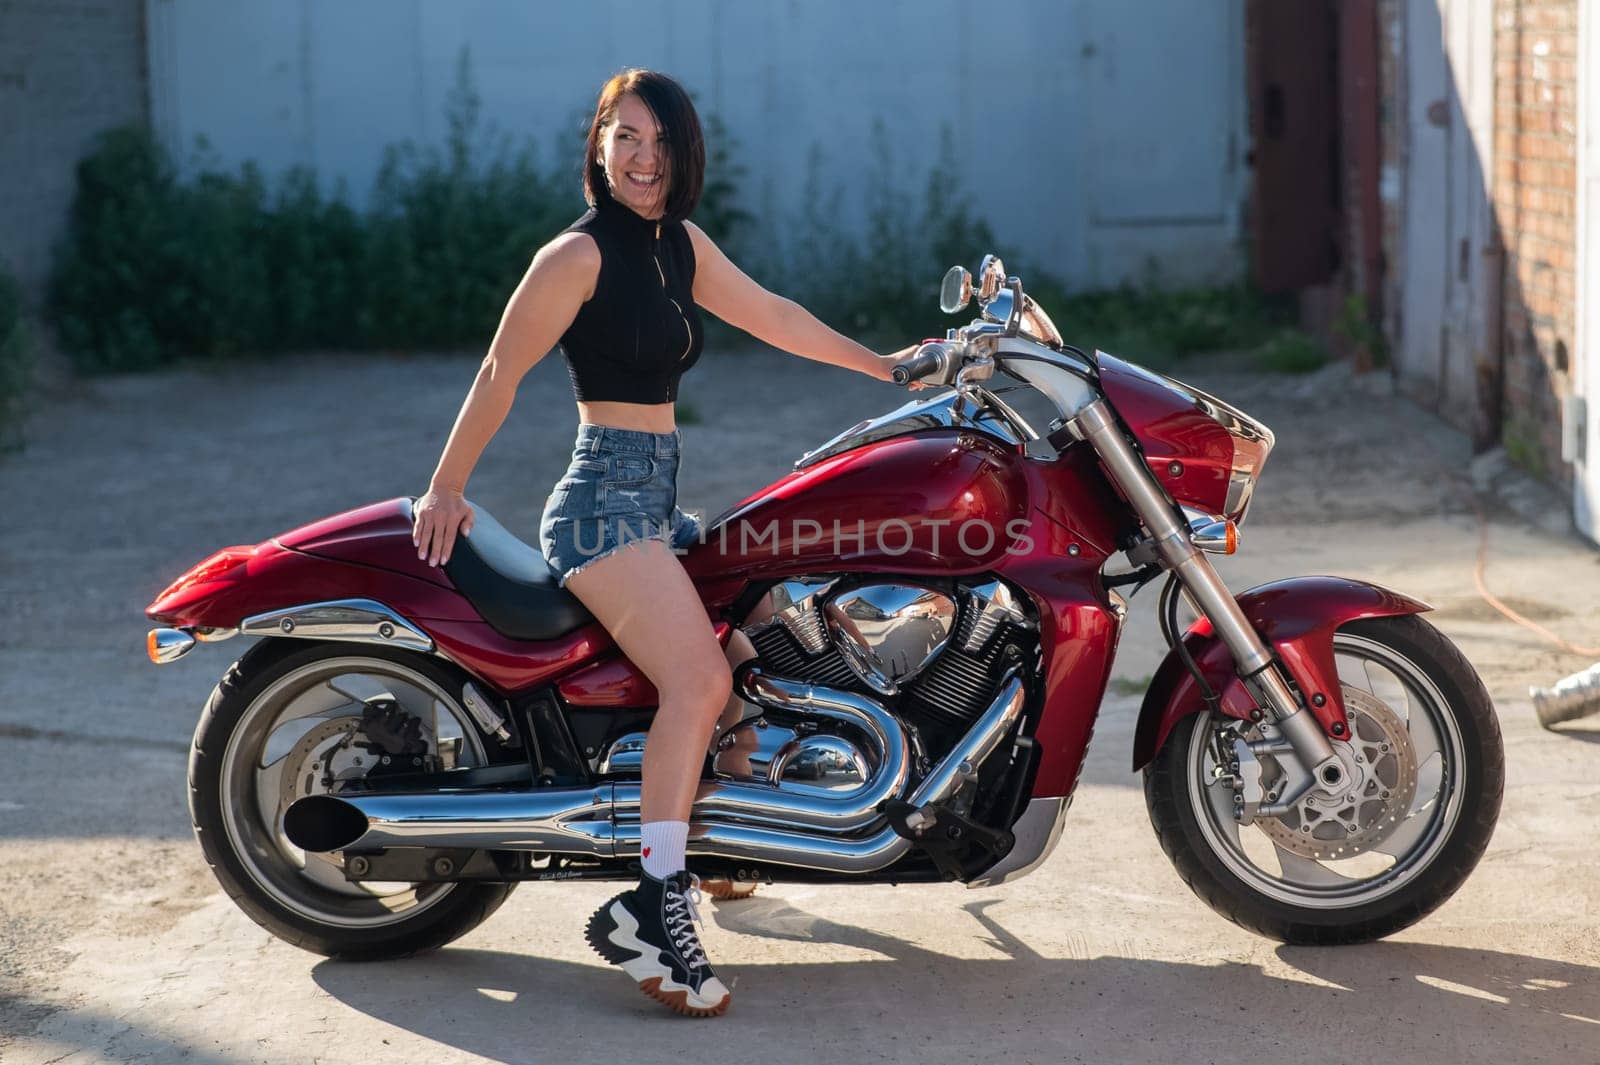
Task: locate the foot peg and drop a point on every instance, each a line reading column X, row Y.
column 959, row 848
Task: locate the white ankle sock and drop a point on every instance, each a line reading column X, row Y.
column 661, row 846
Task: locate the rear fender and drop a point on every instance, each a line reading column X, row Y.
column 245, row 581
column 269, row 577
column 1297, row 618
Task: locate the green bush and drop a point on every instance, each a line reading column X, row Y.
column 1355, row 326
column 109, row 309
column 884, row 284
column 1291, row 351
column 719, row 213
column 1158, row 327
column 156, row 269
column 16, row 360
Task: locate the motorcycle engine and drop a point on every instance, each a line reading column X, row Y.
column 930, row 653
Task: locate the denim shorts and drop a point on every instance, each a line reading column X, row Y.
column 621, row 487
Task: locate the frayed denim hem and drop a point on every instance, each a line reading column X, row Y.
column 665, row 536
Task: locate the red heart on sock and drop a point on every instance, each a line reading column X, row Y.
column 645, row 853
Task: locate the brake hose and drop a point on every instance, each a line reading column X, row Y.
column 1167, row 612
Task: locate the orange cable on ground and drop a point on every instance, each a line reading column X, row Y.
column 1489, row 597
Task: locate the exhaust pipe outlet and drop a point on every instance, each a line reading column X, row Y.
column 584, row 820
column 563, row 820
column 321, row 823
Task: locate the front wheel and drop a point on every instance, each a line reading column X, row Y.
column 291, row 719
column 1425, row 748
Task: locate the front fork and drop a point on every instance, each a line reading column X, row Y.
column 1253, row 659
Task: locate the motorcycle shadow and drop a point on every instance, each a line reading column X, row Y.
column 1428, row 1002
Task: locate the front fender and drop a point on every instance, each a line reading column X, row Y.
column 1297, row 618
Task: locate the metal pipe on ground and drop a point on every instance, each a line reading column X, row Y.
column 1569, row 698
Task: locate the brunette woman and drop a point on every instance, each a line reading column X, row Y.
column 620, row 290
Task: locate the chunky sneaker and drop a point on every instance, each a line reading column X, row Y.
column 649, row 932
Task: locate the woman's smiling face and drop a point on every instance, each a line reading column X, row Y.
column 635, row 158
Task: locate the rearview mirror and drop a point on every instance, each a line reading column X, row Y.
column 955, row 291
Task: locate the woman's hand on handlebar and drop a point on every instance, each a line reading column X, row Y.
column 895, row 358
column 439, row 516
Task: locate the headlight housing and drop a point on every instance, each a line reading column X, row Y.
column 1206, row 454
column 1252, row 443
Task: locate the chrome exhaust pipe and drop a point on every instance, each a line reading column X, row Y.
column 883, row 848
column 827, row 811
column 761, row 802
column 563, row 820
column 583, row 820
column 575, row 818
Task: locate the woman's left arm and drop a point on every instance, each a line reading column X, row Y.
column 727, row 292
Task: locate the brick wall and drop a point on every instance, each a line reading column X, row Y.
column 1391, row 134
column 1535, row 198
column 68, row 70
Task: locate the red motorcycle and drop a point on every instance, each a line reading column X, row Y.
column 934, row 596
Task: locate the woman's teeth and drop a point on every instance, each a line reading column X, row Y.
column 643, row 179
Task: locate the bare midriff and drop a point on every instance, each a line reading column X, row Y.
column 643, row 417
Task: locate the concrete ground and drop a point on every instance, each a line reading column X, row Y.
column 117, row 946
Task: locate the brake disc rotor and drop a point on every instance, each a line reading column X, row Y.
column 1383, row 764
column 324, row 757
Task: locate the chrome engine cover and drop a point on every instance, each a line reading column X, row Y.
column 888, row 633
column 794, row 606
column 762, row 752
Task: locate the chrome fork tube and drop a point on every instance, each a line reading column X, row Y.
column 1251, row 655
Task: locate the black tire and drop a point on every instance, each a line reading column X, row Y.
column 464, row 907
column 1481, row 782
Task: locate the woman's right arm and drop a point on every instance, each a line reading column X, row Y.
column 560, row 279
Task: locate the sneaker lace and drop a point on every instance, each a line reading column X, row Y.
column 682, row 915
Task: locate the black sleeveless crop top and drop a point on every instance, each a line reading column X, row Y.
column 640, row 331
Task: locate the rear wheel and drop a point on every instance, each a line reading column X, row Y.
column 286, row 721
column 1425, row 751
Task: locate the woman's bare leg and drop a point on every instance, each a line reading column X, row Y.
column 644, row 598
column 738, row 651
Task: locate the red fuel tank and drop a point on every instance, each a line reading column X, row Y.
column 938, row 502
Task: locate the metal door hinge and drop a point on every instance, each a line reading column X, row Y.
column 1575, row 430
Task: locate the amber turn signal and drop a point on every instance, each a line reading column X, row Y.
column 167, row 645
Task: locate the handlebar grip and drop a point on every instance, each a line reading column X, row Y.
column 925, row 363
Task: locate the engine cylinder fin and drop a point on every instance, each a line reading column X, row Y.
column 981, row 632
column 807, row 628
column 955, row 689
column 782, row 656
column 959, row 685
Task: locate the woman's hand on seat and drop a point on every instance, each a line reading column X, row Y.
column 439, row 516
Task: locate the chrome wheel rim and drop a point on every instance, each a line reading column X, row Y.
column 1380, row 681
column 291, row 735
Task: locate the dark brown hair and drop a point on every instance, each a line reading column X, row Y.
column 682, row 139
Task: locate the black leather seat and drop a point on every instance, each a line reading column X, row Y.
column 511, row 583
